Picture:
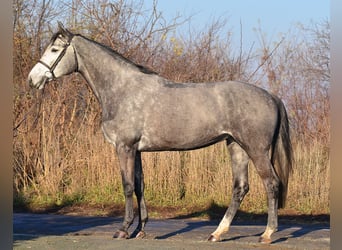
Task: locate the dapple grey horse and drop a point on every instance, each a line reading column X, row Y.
column 142, row 111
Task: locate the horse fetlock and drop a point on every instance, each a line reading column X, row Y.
column 120, row 234
column 265, row 240
column 216, row 236
column 140, row 235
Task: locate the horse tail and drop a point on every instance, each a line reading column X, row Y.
column 282, row 153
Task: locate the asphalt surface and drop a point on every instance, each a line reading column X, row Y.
column 49, row 231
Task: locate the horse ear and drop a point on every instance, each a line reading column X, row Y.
column 63, row 30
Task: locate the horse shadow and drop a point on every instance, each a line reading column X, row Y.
column 189, row 227
column 29, row 225
column 297, row 225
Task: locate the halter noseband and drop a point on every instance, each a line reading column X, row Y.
column 49, row 74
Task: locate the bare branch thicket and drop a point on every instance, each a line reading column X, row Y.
column 204, row 56
column 30, row 24
column 316, row 70
column 126, row 26
column 59, row 149
column 73, row 104
column 31, row 33
column 299, row 72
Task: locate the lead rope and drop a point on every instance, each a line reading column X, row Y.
column 39, row 103
column 34, row 107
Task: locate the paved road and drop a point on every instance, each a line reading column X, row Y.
column 46, row 231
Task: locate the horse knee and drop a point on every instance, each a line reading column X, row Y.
column 128, row 190
column 240, row 190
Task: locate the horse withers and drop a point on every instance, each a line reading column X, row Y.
column 142, row 111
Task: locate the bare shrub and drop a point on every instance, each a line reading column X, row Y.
column 61, row 157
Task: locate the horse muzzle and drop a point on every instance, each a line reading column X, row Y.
column 38, row 84
column 39, row 76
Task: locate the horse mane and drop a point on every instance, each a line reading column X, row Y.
column 54, row 36
column 112, row 52
column 119, row 56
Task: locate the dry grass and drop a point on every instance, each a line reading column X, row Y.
column 67, row 161
column 61, row 157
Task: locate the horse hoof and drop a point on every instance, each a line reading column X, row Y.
column 140, row 235
column 120, row 235
column 264, row 240
column 213, row 238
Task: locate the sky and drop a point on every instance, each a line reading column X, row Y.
column 273, row 16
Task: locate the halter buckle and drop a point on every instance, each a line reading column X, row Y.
column 49, row 75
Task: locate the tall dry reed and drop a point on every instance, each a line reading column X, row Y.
column 61, row 157
column 72, row 163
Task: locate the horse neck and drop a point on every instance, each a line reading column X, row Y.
column 105, row 73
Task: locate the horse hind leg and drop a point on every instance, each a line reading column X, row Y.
column 239, row 159
column 271, row 184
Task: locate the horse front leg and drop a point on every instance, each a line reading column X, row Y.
column 126, row 157
column 139, row 192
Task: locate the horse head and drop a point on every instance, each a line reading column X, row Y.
column 58, row 59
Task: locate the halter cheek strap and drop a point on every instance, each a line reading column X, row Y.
column 50, row 74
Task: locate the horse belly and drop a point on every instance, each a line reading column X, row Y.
column 184, row 136
column 148, row 145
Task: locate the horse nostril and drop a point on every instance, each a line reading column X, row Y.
column 30, row 82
